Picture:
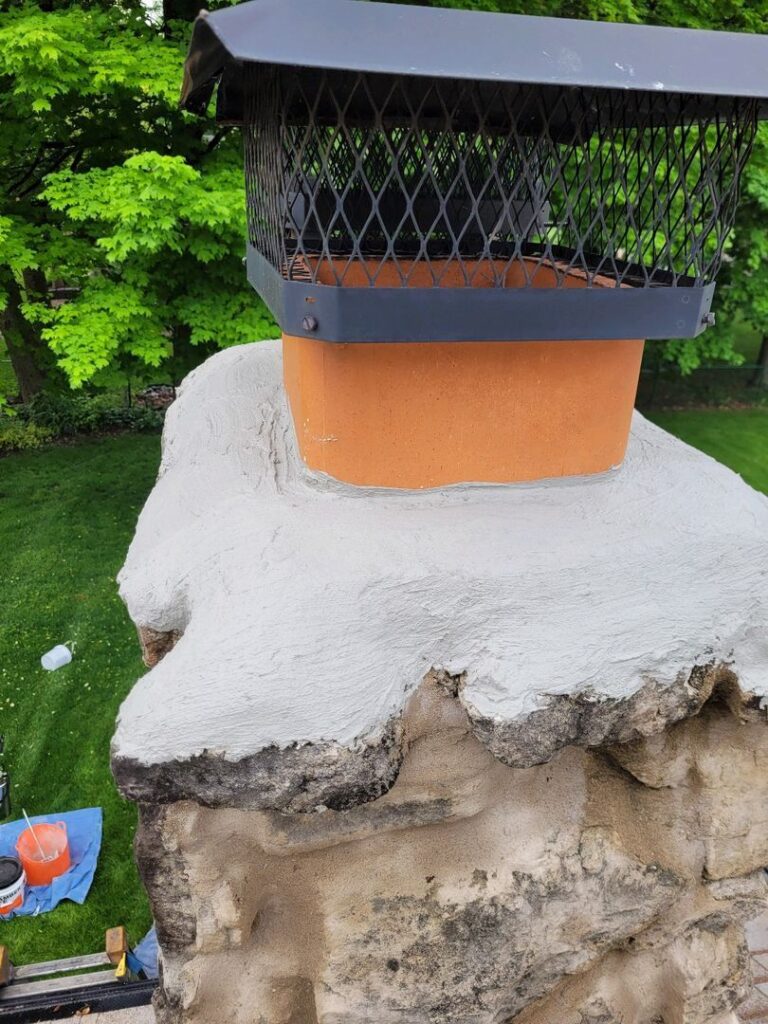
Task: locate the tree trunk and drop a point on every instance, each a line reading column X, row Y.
column 760, row 377
column 26, row 348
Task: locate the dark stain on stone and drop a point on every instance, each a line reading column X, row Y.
column 586, row 719
column 300, row 777
column 296, row 778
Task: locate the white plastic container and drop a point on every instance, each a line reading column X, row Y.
column 13, row 884
column 57, row 657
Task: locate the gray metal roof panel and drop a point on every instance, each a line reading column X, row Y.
column 447, row 43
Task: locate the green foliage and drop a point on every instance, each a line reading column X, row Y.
column 17, row 436
column 732, row 15
column 65, row 415
column 172, row 238
column 713, row 346
column 744, row 281
column 50, row 57
column 135, row 207
column 138, row 208
column 7, row 377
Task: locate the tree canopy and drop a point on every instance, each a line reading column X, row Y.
column 122, row 223
column 122, row 219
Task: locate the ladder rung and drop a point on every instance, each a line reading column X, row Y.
column 72, row 983
column 69, row 963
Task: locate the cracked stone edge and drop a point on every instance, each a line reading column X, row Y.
column 303, row 777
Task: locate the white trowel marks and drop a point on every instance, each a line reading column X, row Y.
column 310, row 610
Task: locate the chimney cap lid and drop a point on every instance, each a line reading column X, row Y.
column 464, row 45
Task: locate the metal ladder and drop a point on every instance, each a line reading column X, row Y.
column 105, row 980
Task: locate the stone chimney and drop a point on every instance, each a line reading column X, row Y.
column 455, row 710
column 472, row 754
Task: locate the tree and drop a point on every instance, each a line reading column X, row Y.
column 109, row 190
column 133, row 213
column 745, row 276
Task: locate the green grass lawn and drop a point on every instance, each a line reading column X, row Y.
column 66, row 518
column 738, row 437
column 67, row 515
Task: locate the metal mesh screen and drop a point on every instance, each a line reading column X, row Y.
column 377, row 179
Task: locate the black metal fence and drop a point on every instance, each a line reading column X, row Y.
column 664, row 386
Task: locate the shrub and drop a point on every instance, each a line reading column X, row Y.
column 57, row 413
column 17, row 436
column 66, row 415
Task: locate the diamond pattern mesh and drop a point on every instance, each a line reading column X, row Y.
column 381, row 179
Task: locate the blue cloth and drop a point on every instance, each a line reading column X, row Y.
column 146, row 954
column 84, row 834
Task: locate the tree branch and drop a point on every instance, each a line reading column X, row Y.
column 54, row 166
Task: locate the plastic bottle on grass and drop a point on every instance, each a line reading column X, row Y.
column 57, row 657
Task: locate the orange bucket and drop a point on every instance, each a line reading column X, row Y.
column 44, row 852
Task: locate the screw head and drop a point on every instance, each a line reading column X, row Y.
column 309, row 323
column 708, row 319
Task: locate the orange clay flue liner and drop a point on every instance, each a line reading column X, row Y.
column 415, row 415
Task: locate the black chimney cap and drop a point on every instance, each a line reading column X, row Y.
column 464, row 45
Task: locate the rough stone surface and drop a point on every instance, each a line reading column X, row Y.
column 484, row 755
column 470, row 892
column 156, row 644
column 698, row 976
